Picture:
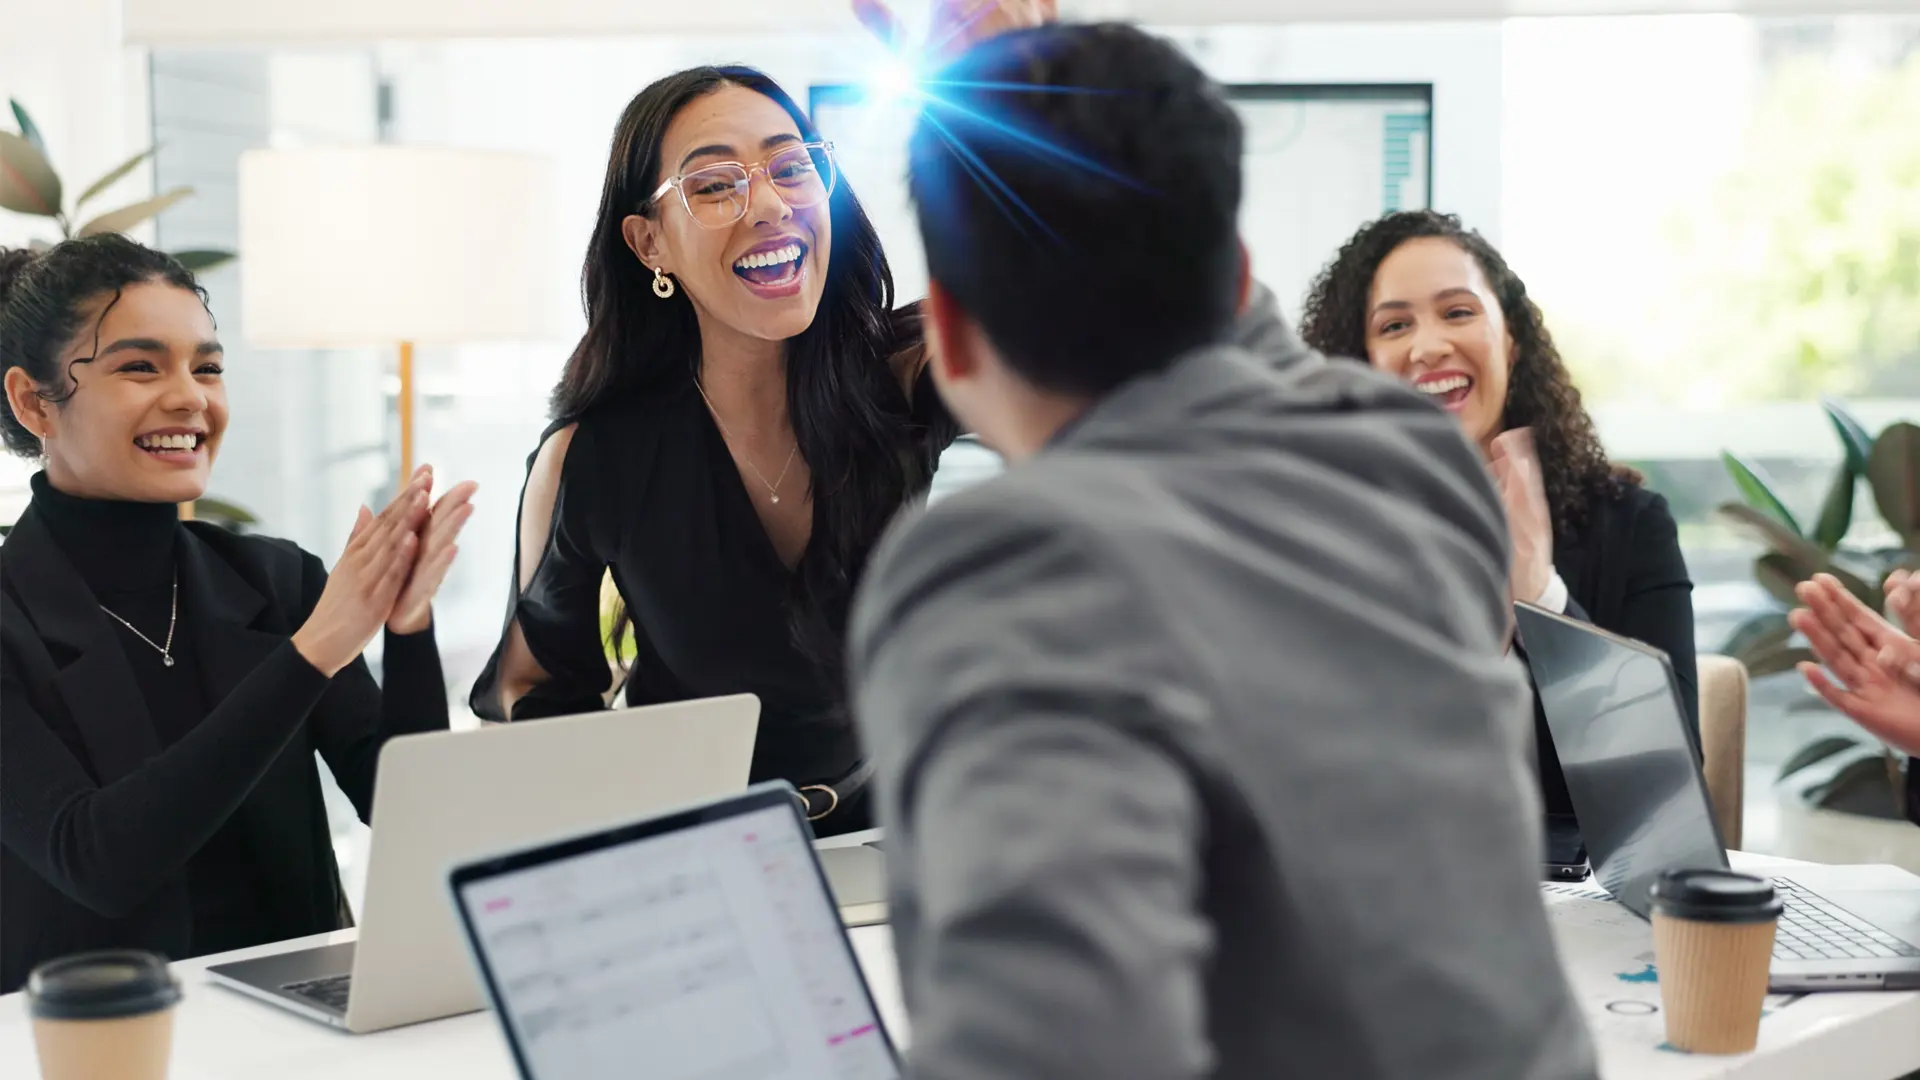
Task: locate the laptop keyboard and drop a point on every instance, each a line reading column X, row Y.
column 1814, row 928
column 329, row 992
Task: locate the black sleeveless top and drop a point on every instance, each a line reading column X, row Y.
column 649, row 491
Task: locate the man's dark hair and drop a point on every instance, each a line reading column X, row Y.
column 1077, row 189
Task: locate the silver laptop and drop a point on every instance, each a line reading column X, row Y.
column 856, row 872
column 447, row 796
column 695, row 945
column 1633, row 772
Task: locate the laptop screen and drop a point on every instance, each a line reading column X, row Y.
column 705, row 945
column 1627, row 752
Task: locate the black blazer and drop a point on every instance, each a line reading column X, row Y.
column 98, row 820
column 1625, row 575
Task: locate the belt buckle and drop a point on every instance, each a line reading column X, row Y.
column 806, row 804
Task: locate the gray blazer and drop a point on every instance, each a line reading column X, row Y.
column 1199, row 753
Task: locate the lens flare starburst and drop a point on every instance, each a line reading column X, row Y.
column 958, row 112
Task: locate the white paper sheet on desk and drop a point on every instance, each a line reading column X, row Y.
column 1608, row 953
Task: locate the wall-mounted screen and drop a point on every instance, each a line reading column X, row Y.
column 1320, row 160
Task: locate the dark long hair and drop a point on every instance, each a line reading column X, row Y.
column 42, row 297
column 1540, row 393
column 848, row 411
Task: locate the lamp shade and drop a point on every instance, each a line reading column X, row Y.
column 370, row 245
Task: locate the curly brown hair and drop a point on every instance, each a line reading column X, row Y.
column 1540, row 393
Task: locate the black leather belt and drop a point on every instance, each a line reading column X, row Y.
column 820, row 800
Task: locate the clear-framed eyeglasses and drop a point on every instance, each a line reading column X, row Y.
column 716, row 196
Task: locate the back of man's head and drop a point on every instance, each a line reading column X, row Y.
column 1077, row 189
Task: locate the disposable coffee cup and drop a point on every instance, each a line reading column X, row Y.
column 103, row 1016
column 1712, row 944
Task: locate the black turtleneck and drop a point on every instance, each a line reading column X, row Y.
column 111, row 845
column 124, row 551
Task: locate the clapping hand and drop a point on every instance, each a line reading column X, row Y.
column 368, row 578
column 1878, row 666
column 956, row 25
column 1515, row 466
column 1903, row 600
column 433, row 556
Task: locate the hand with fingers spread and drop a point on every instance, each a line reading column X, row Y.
column 1515, row 465
column 1876, row 665
column 956, row 25
column 360, row 593
column 413, row 610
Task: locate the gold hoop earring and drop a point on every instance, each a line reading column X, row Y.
column 662, row 284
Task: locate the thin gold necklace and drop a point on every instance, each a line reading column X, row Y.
column 773, row 488
column 173, row 618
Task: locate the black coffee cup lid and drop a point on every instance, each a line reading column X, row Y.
column 1714, row 895
column 102, row 986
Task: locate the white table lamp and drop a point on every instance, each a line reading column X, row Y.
column 369, row 245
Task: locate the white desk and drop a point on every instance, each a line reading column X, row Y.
column 223, row 1036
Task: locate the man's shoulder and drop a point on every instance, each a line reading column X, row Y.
column 996, row 520
column 1001, row 594
column 1021, row 550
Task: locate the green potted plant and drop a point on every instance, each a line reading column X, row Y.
column 1838, row 788
column 227, row 515
column 29, row 185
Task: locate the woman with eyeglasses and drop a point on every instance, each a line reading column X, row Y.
column 742, row 418
column 745, row 414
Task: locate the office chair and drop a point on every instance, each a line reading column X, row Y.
column 1723, row 740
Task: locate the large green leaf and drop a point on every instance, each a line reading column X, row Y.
column 1778, row 659
column 1757, row 491
column 200, row 260
column 119, row 221
column 1778, row 574
column 1794, row 559
column 1820, row 749
column 1768, row 530
column 1855, row 441
column 114, row 177
column 1757, row 635
column 1860, row 782
column 28, row 184
column 28, row 129
column 220, row 511
column 1836, row 510
column 1893, row 471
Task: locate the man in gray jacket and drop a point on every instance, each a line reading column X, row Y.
column 1195, row 736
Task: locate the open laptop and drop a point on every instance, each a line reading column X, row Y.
column 699, row 944
column 1633, row 771
column 1566, row 856
column 446, row 796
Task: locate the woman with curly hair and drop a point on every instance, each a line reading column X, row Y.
column 1422, row 297
column 157, row 788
